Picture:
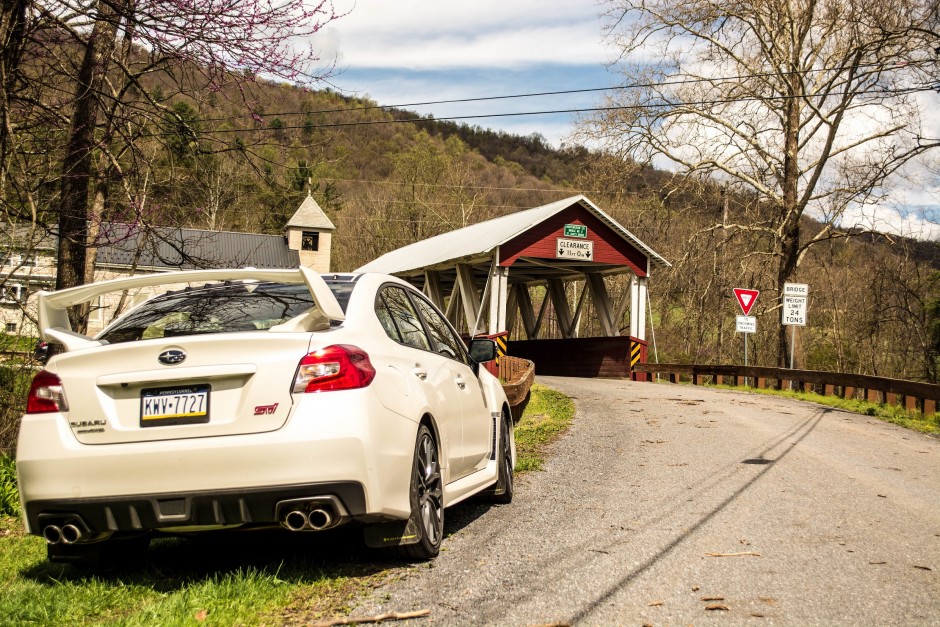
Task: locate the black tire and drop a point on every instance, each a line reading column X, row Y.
column 503, row 490
column 427, row 499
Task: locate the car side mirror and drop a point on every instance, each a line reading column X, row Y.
column 482, row 349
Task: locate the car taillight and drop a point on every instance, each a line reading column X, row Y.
column 336, row 367
column 46, row 394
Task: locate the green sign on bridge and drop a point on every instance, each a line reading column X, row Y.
column 575, row 230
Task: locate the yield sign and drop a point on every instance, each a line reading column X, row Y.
column 745, row 298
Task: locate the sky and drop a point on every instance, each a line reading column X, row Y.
column 413, row 51
column 409, row 51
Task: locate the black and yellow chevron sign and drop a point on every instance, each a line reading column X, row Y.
column 636, row 349
column 501, row 346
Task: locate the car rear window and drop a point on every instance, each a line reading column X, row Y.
column 218, row 308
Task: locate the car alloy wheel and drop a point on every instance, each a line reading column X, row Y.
column 503, row 490
column 430, row 488
column 427, row 498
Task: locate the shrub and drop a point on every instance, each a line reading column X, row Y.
column 9, row 494
column 15, row 377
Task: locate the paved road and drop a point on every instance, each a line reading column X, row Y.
column 816, row 516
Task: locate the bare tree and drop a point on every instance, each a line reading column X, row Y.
column 196, row 46
column 811, row 107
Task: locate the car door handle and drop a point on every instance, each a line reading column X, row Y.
column 460, row 382
column 421, row 373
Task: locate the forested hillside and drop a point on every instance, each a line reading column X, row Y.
column 385, row 177
column 241, row 156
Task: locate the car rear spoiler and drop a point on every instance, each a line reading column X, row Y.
column 54, row 324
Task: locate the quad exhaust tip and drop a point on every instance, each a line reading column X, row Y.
column 295, row 520
column 68, row 533
column 314, row 520
column 71, row 534
column 319, row 519
column 52, row 534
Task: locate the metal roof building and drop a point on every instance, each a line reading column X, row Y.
column 169, row 248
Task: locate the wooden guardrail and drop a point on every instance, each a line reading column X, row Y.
column 912, row 394
column 15, row 353
column 517, row 375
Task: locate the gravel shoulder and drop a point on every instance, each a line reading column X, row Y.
column 675, row 505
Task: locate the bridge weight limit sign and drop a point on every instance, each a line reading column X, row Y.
column 793, row 314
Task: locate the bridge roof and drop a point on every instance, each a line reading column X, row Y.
column 480, row 240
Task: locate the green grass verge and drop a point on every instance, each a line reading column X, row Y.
column 247, row 579
column 896, row 414
column 547, row 416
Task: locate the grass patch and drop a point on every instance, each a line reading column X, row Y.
column 241, row 579
column 895, row 414
column 547, row 416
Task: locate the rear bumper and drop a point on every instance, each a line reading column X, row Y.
column 258, row 506
column 346, row 445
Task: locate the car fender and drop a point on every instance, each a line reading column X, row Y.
column 399, row 393
column 496, row 399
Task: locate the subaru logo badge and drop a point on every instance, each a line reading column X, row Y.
column 172, row 357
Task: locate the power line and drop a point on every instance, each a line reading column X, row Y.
column 424, row 120
column 667, row 82
column 455, row 186
column 419, row 119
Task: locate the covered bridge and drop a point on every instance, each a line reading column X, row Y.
column 546, row 279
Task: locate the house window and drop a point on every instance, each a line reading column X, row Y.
column 11, row 327
column 97, row 311
column 13, row 292
column 17, row 260
column 310, row 241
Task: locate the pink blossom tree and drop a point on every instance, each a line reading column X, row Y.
column 198, row 46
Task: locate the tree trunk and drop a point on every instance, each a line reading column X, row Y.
column 77, row 164
column 719, row 262
column 789, row 230
column 789, row 254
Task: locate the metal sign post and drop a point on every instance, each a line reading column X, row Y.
column 746, row 324
column 793, row 313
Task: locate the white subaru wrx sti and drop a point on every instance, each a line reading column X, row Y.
column 259, row 398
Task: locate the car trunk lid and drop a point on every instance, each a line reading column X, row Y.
column 226, row 384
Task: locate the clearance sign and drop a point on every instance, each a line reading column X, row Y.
column 578, row 249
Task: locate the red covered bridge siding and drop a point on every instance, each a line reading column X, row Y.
column 609, row 248
column 508, row 276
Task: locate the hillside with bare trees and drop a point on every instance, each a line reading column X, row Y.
column 188, row 145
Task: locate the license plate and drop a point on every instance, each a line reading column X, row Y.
column 181, row 405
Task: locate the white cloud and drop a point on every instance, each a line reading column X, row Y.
column 411, row 51
column 425, row 50
column 420, row 34
column 915, row 222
